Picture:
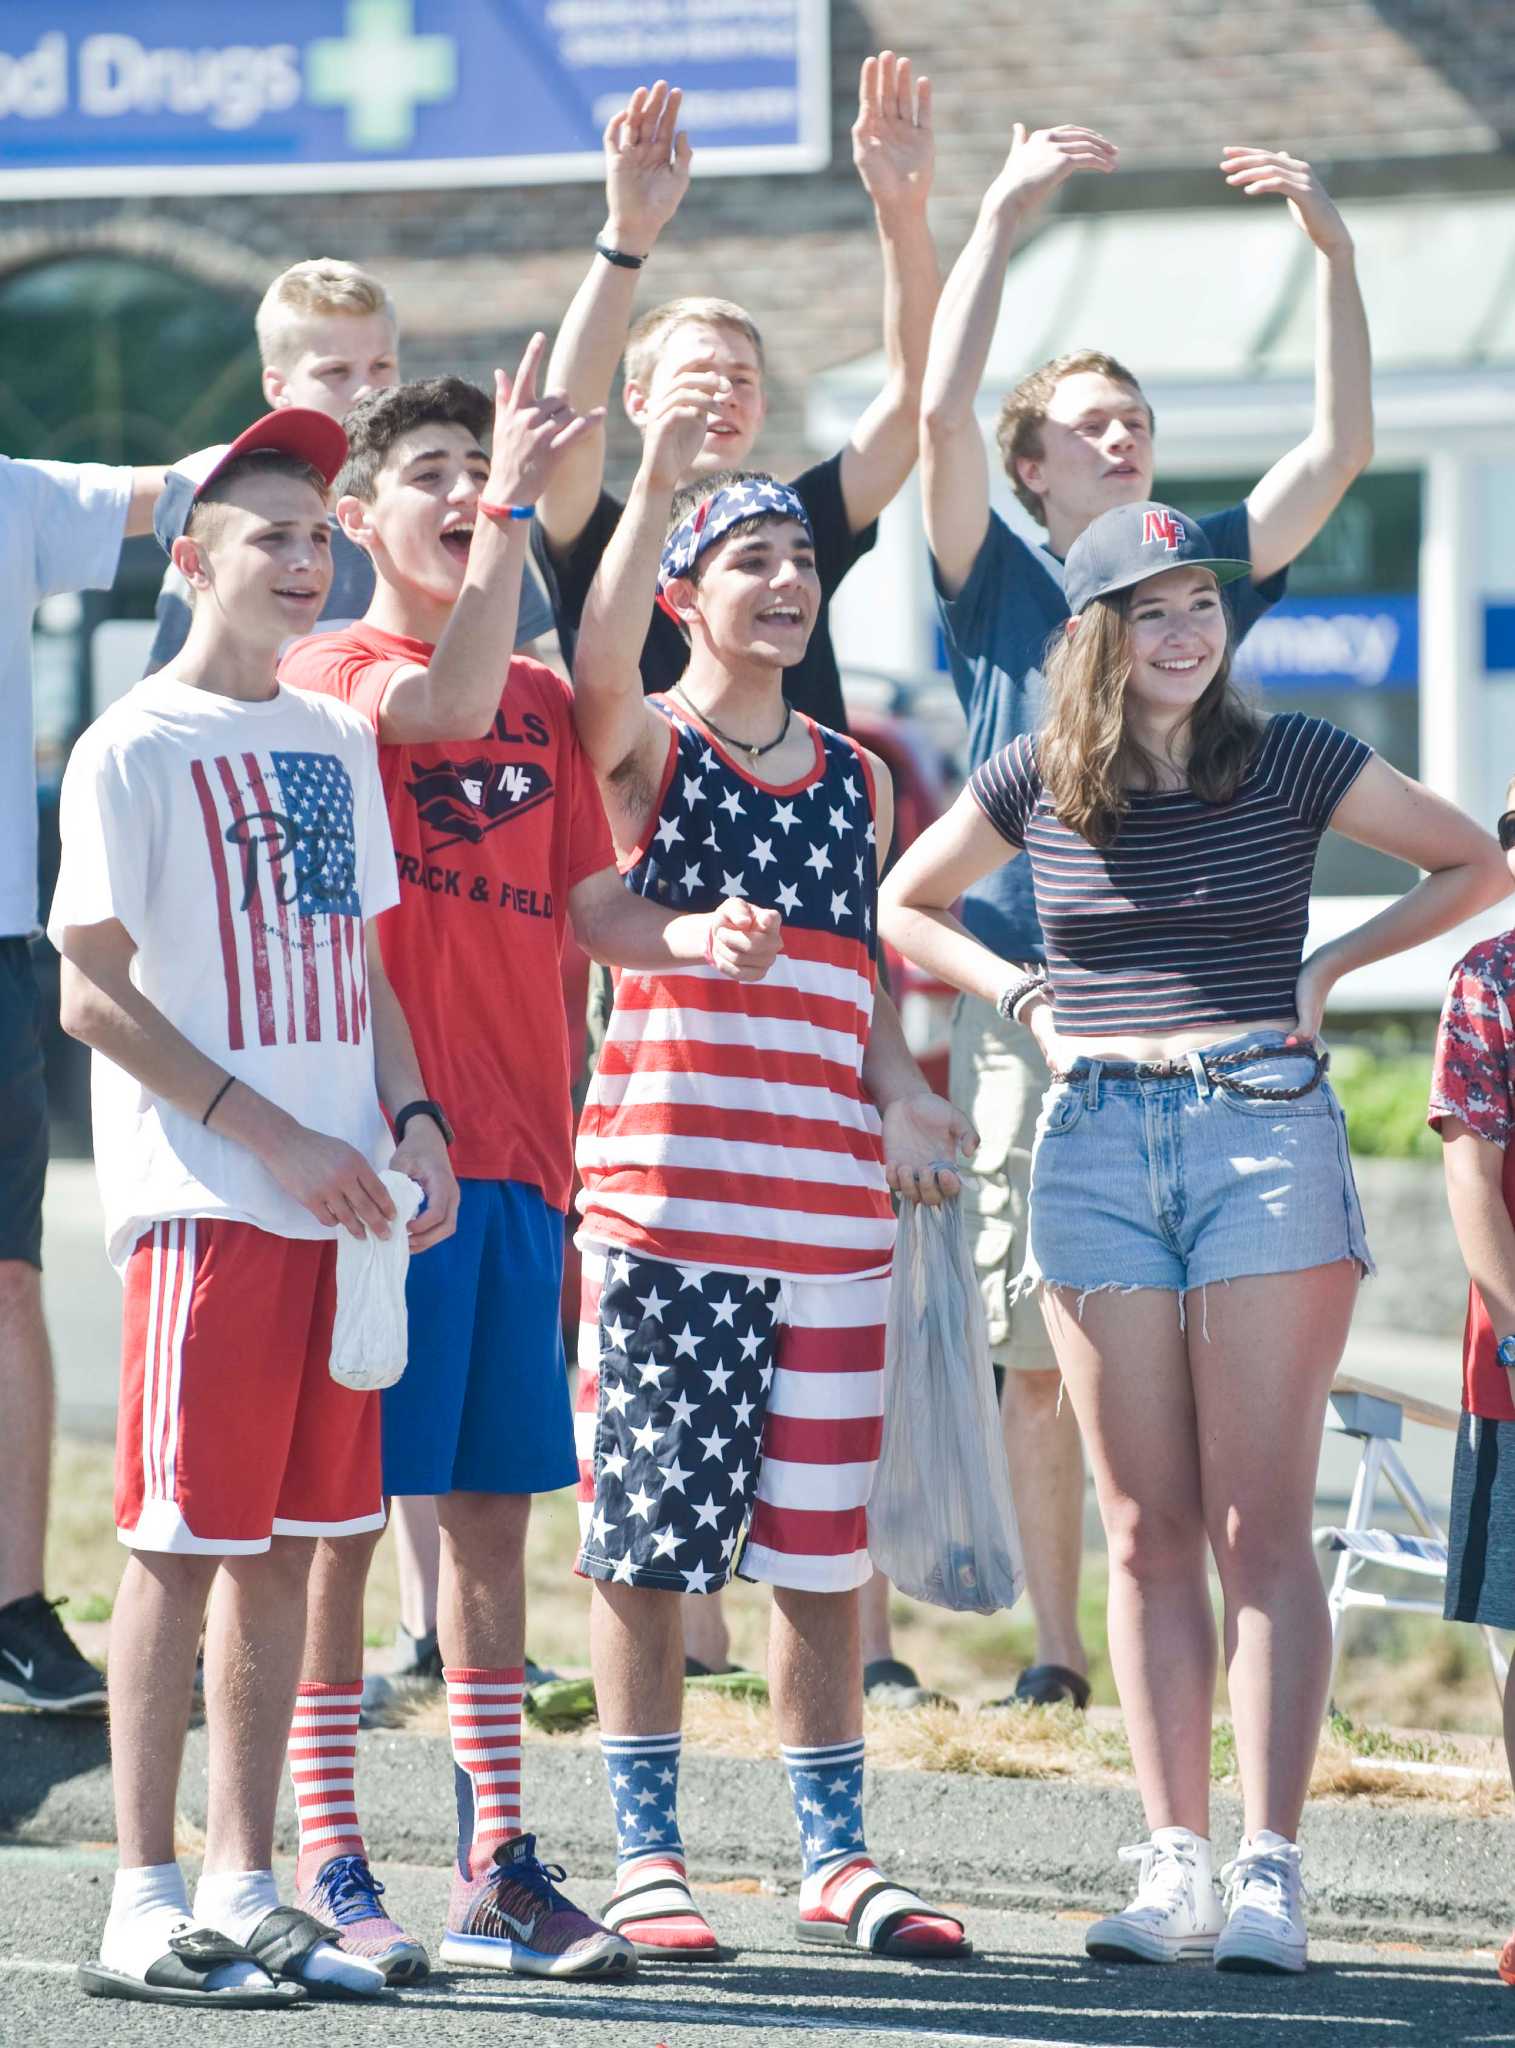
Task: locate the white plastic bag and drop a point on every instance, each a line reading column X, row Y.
column 370, row 1338
column 941, row 1523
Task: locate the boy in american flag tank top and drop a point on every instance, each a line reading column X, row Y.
column 738, row 1149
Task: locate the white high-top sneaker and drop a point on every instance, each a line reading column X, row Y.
column 1176, row 1911
column 1265, row 1922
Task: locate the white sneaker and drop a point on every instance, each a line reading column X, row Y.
column 1265, row 1922
column 1176, row 1911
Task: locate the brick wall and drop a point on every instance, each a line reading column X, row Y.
column 1391, row 94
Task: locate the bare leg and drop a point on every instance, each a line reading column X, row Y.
column 635, row 1650
column 481, row 1588
column 706, row 1636
column 1046, row 1459
column 418, row 1553
column 253, row 1646
column 1260, row 1386
column 815, row 1667
column 1127, row 1372
column 334, row 1611
column 26, row 1442
column 155, row 1632
column 876, row 1640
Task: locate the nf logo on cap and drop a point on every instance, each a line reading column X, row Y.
column 1115, row 552
column 1165, row 526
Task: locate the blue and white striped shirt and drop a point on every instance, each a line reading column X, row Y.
column 1197, row 913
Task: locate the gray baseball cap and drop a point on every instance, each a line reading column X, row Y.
column 1131, row 543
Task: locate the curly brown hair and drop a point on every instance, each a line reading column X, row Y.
column 1021, row 417
column 1086, row 755
column 380, row 418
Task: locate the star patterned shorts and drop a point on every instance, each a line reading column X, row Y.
column 713, row 1402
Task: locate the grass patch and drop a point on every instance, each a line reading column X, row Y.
column 1399, row 1671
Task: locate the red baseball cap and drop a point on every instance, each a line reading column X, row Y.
column 297, row 430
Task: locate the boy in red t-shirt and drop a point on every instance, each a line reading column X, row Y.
column 1473, row 1107
column 500, row 840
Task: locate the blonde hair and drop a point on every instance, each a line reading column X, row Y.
column 308, row 291
column 1021, row 417
column 1085, row 753
column 645, row 341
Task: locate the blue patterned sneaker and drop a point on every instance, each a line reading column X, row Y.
column 515, row 1918
column 345, row 1896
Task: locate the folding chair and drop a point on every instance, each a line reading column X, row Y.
column 1376, row 1416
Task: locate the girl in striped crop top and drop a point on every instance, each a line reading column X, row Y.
column 1188, row 1137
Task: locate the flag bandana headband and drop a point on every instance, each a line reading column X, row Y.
column 717, row 514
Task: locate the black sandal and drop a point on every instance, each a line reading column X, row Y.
column 178, row 1977
column 1049, row 1685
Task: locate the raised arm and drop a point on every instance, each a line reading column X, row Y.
column 1465, row 873
column 1303, row 488
column 456, row 695
column 147, row 487
column 625, row 739
column 894, row 151
column 954, row 466
column 647, row 158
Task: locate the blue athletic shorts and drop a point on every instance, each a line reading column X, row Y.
column 482, row 1406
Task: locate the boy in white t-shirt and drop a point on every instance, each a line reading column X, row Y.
column 225, row 850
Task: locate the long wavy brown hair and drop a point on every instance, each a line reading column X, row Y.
column 1086, row 754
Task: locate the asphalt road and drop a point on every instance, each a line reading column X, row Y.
column 1029, row 1983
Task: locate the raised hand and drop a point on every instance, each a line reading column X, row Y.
column 531, row 434
column 677, row 426
column 924, row 1139
column 744, row 941
column 1273, row 170
column 646, row 167
column 1041, row 161
column 892, row 142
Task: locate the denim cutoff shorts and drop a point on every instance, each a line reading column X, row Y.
column 1179, row 1183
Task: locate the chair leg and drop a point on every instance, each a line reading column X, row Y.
column 1359, row 1516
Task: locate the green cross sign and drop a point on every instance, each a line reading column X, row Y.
column 380, row 71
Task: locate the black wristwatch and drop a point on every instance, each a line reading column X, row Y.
column 425, row 1107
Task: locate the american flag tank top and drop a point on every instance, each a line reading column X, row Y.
column 726, row 1124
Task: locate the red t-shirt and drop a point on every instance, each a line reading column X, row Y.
column 490, row 835
column 1474, row 1081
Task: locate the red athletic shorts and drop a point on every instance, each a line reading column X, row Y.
column 231, row 1428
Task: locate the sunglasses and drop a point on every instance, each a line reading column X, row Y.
column 1506, row 830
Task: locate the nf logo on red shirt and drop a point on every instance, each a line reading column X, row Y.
column 1164, row 527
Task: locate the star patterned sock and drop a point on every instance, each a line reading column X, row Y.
column 644, row 1789
column 827, row 1787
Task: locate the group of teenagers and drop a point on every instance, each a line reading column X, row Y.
column 317, row 874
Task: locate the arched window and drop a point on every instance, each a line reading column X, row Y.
column 109, row 359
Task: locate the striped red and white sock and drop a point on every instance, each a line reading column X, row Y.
column 484, row 1718
column 322, row 1752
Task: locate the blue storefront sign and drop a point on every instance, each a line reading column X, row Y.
column 308, row 95
column 1334, row 643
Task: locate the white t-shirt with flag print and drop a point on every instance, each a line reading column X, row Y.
column 243, row 846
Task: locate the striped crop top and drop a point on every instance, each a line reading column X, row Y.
column 1197, row 914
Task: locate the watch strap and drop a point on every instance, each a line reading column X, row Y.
column 423, row 1106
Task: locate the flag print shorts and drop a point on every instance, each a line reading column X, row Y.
column 715, row 1403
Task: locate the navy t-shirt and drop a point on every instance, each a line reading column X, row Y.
column 997, row 629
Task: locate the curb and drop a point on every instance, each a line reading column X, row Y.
column 1375, row 1873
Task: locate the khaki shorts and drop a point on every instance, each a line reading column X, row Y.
column 998, row 1078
